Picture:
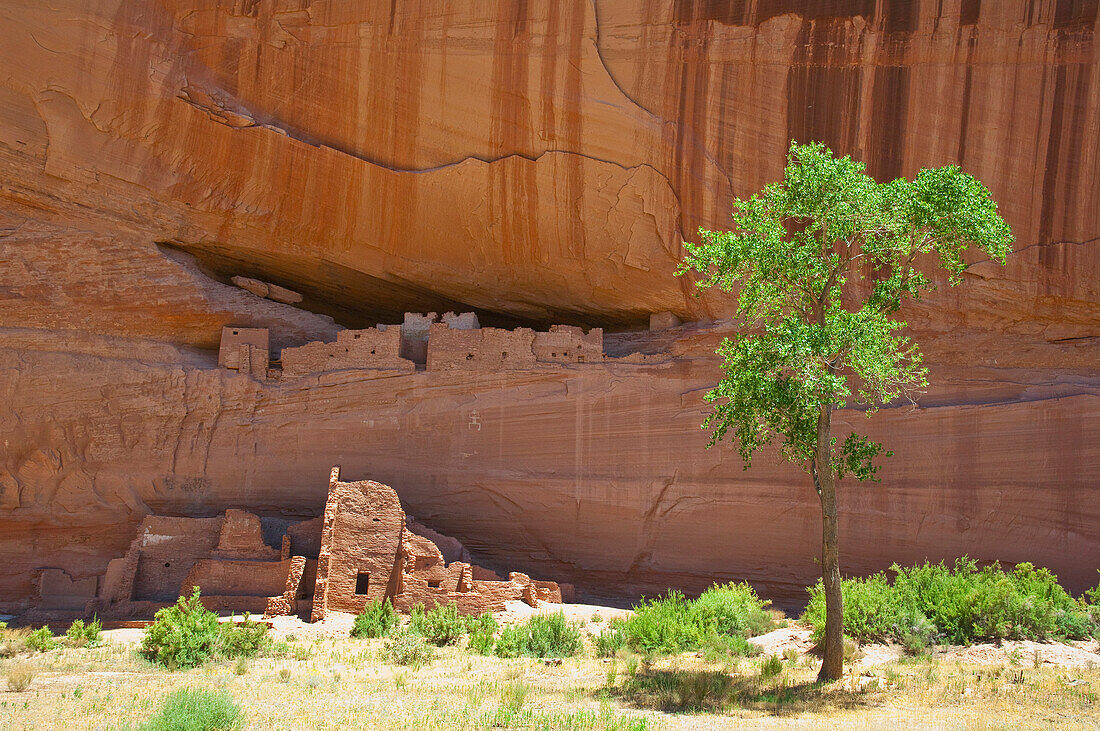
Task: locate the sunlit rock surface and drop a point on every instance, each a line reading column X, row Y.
column 537, row 163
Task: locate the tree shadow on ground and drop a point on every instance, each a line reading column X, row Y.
column 717, row 691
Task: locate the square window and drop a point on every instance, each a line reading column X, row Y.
column 434, row 584
column 362, row 583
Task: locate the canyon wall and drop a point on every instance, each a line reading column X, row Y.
column 538, row 163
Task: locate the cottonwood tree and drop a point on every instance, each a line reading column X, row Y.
column 821, row 262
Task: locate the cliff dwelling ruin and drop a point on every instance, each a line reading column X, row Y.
column 363, row 548
column 455, row 342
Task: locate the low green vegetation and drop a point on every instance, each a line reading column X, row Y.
column 441, row 625
column 378, row 619
column 80, row 634
column 187, row 634
column 934, row 603
column 724, row 616
column 190, row 709
column 543, row 635
column 40, row 640
column 404, row 647
column 483, row 631
column 610, row 640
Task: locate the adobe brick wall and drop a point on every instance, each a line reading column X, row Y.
column 58, row 590
column 236, row 577
column 487, row 349
column 361, row 534
column 168, row 548
column 241, row 537
column 414, row 336
column 568, row 344
column 232, row 340
column 372, row 348
column 365, row 532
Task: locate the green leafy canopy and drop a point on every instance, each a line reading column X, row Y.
column 821, row 262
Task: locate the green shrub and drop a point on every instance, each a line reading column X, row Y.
column 511, row 642
column 184, row 635
column 1092, row 596
column 407, row 648
column 932, row 603
column 718, row 647
column 482, row 630
column 733, row 610
column 378, row 619
column 40, row 640
column 80, row 634
column 1092, row 600
column 189, row 709
column 543, row 635
column 672, row 623
column 441, row 625
column 187, row 634
column 772, row 666
column 243, row 639
column 609, row 641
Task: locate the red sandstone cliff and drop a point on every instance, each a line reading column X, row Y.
column 538, row 162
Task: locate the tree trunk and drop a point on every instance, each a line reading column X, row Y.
column 832, row 666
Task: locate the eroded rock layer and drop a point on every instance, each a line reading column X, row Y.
column 539, row 163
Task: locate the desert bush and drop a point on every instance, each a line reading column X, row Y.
column 184, row 635
column 378, row 619
column 772, row 666
column 20, row 677
column 40, row 640
column 187, row 634
column 543, row 635
column 190, row 709
column 609, row 641
column 80, row 634
column 934, row 603
column 407, row 648
column 482, row 631
column 717, row 647
column 672, row 623
column 441, row 625
column 243, row 639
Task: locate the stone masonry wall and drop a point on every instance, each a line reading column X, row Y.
column 485, row 349
column 368, row 554
column 568, row 344
column 234, row 337
column 373, row 348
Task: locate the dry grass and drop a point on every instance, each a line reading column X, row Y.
column 343, row 683
column 20, row 677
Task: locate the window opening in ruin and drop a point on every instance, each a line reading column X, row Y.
column 377, row 520
column 236, row 332
column 167, row 565
column 469, row 356
column 362, row 583
column 434, row 584
column 356, row 336
column 504, row 355
column 372, row 351
column 553, row 355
